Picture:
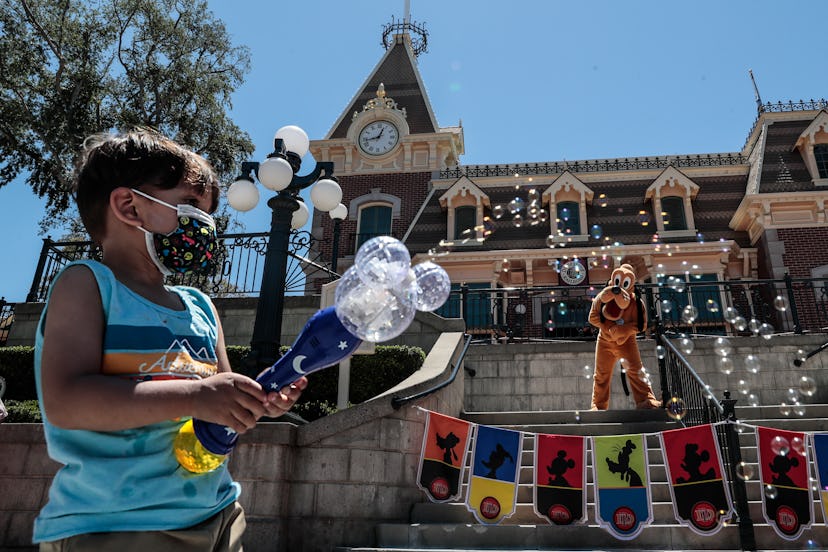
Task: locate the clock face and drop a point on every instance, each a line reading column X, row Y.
column 378, row 138
column 573, row 272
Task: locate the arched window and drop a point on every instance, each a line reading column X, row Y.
column 569, row 218
column 821, row 157
column 465, row 220
column 672, row 213
column 374, row 220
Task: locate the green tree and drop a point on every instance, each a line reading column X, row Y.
column 71, row 68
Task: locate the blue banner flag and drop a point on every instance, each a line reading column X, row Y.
column 494, row 479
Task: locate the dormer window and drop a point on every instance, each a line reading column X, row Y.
column 672, row 194
column 568, row 198
column 813, row 146
column 464, row 202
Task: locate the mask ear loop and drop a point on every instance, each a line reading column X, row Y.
column 155, row 199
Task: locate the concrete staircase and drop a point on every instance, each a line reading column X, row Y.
column 452, row 527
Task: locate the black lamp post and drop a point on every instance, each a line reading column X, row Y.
column 278, row 173
column 338, row 215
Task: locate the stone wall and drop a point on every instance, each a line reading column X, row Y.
column 304, row 488
column 550, row 375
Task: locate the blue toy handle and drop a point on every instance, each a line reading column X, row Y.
column 323, row 342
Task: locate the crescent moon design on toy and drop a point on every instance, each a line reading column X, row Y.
column 297, row 364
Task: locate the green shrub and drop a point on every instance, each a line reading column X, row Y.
column 23, row 412
column 17, row 367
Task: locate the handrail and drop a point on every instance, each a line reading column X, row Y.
column 689, row 368
column 397, row 401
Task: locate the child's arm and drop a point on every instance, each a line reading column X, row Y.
column 77, row 396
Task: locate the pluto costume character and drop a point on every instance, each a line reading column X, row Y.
column 619, row 315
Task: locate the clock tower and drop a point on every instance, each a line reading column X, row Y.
column 386, row 146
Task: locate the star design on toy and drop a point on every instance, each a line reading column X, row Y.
column 343, row 345
column 274, row 386
column 229, row 430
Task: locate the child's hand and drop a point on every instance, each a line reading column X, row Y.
column 230, row 399
column 277, row 403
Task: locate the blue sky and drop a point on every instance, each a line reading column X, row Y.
column 531, row 80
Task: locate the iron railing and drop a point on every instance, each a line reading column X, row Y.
column 236, row 269
column 6, row 320
column 737, row 307
column 689, row 400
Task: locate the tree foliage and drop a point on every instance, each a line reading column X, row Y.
column 71, row 68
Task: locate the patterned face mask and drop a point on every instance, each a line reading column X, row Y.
column 188, row 248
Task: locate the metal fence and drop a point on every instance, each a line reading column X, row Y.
column 236, row 269
column 737, row 307
column 6, row 320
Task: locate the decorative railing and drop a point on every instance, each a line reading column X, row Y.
column 596, row 165
column 236, row 270
column 738, row 307
column 6, row 320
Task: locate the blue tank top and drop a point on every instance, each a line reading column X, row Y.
column 130, row 480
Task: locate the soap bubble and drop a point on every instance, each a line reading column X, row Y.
column 754, row 326
column 726, row 365
column 666, row 306
column 552, row 240
column 603, row 200
column 660, row 353
column 375, row 313
column 596, row 231
column 771, row 492
column 382, row 262
column 766, row 331
column 740, row 323
column 699, row 237
column 780, row 303
column 689, row 314
column 686, row 345
column 753, row 400
column 712, row 306
column 564, row 214
column 676, row 284
column 643, row 218
column 498, row 211
column 731, row 314
column 516, row 206
column 785, row 409
column 801, row 356
column 517, row 220
column 722, row 346
column 433, row 286
column 743, row 387
column 744, row 471
column 752, row 364
column 798, row 445
column 587, row 371
column 676, row 408
column 792, row 394
column 780, row 445
column 550, row 325
column 799, row 409
column 807, row 386
column 562, row 308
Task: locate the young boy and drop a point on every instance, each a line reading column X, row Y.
column 121, row 360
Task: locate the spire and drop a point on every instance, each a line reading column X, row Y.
column 759, row 107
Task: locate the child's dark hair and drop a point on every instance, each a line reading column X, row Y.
column 135, row 159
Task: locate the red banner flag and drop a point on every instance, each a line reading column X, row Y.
column 786, row 490
column 701, row 499
column 445, row 448
column 560, row 478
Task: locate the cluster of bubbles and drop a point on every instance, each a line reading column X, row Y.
column 378, row 296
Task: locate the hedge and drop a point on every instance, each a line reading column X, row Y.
column 370, row 376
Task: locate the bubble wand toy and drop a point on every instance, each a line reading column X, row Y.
column 376, row 300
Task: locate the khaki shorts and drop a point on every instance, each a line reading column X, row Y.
column 220, row 533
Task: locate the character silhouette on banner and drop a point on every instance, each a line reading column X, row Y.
column 692, row 464
column 558, row 467
column 447, row 444
column 781, row 465
column 496, row 459
column 622, row 466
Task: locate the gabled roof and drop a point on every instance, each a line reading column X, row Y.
column 567, row 181
column 671, row 177
column 464, row 186
column 397, row 70
column 820, row 123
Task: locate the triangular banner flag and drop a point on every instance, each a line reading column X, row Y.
column 786, row 491
column 445, row 448
column 622, row 491
column 560, row 478
column 701, row 499
column 495, row 468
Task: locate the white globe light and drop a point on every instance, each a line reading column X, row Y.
column 326, row 194
column 296, row 140
column 275, row 173
column 242, row 195
column 300, row 216
column 340, row 212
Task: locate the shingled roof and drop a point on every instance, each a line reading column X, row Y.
column 397, row 70
column 783, row 169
